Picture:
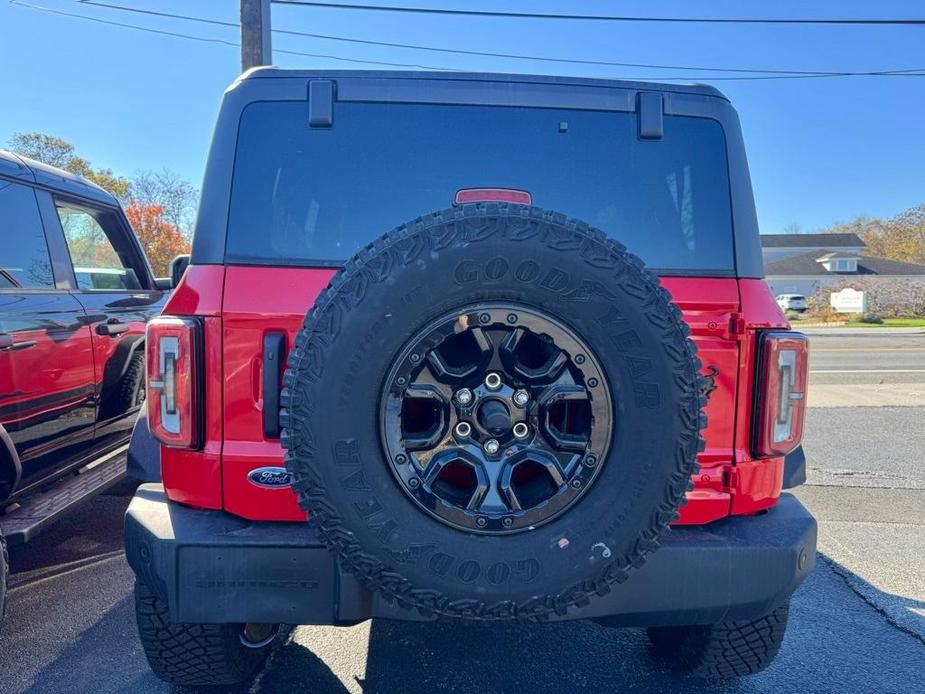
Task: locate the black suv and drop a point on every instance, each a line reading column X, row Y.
column 75, row 294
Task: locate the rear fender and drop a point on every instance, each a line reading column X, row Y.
column 10, row 466
column 118, row 364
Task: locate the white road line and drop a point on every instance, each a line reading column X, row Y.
column 816, row 350
column 867, row 371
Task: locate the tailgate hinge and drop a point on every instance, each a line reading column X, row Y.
column 730, row 478
column 735, row 328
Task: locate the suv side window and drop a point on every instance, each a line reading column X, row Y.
column 24, row 259
column 97, row 262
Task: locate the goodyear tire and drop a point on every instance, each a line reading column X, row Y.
column 495, row 279
column 195, row 655
column 725, row 650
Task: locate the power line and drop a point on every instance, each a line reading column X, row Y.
column 517, row 56
column 912, row 21
column 205, row 39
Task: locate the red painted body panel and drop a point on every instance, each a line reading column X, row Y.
column 194, row 477
column 258, row 300
column 245, row 303
column 758, row 482
column 199, row 292
column 709, row 305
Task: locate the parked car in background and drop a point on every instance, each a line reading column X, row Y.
column 75, row 294
column 791, row 302
column 493, row 411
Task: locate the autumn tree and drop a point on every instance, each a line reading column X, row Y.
column 899, row 238
column 161, row 205
column 174, row 194
column 161, row 240
column 55, row 151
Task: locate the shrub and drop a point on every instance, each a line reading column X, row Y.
column 872, row 318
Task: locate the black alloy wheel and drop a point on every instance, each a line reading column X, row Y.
column 496, row 418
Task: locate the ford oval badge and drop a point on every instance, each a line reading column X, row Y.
column 270, row 477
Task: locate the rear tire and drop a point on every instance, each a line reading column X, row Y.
column 130, row 392
column 728, row 649
column 193, row 654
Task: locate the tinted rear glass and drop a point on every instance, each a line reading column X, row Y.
column 316, row 195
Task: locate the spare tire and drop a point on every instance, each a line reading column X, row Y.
column 492, row 412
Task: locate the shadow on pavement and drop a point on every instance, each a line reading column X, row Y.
column 834, row 641
column 74, row 630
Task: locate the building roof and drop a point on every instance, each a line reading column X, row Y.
column 18, row 166
column 807, row 265
column 812, row 241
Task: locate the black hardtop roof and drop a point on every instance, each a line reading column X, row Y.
column 18, row 166
column 275, row 72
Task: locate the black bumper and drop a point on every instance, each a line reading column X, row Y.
column 212, row 567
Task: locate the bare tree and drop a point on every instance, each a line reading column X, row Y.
column 176, row 196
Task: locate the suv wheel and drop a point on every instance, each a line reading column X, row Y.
column 199, row 654
column 492, row 412
column 728, row 649
column 130, row 390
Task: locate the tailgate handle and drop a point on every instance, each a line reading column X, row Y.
column 274, row 357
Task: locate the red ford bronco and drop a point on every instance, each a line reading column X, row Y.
column 563, row 349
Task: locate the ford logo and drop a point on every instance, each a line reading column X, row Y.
column 270, row 477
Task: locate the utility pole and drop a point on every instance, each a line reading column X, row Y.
column 256, row 47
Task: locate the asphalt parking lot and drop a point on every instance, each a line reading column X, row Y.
column 857, row 624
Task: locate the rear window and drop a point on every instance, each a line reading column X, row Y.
column 317, row 195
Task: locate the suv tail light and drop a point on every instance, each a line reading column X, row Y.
column 781, row 393
column 173, row 371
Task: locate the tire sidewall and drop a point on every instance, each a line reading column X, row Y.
column 521, row 257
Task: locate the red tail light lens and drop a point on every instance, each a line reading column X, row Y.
column 520, row 197
column 173, row 348
column 781, row 393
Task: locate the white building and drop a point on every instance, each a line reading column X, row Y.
column 807, row 263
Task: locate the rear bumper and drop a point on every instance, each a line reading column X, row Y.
column 212, row 567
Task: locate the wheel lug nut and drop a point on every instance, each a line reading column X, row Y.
column 481, row 521
column 521, row 397
column 414, row 483
column 492, row 447
column 464, row 396
column 508, row 522
column 521, row 430
column 493, row 381
column 463, row 429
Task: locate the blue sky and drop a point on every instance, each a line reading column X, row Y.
column 820, row 150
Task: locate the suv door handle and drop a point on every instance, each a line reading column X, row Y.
column 7, row 344
column 111, row 329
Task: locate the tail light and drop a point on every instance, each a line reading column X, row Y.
column 173, row 372
column 520, row 197
column 781, row 393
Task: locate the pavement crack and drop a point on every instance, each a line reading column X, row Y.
column 846, row 575
column 280, row 644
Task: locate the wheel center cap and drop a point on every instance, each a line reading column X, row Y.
column 494, row 417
